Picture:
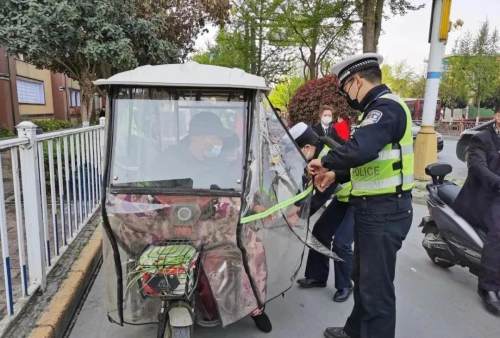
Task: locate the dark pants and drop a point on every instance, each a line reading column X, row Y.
column 489, row 277
column 380, row 226
column 337, row 220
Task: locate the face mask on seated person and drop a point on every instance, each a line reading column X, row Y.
column 214, row 151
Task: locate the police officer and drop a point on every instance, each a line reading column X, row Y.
column 337, row 220
column 380, row 157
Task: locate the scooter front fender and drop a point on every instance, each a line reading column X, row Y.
column 180, row 316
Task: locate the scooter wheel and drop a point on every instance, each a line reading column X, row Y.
column 442, row 263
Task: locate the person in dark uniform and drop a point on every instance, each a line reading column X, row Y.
column 337, row 220
column 380, row 159
column 479, row 203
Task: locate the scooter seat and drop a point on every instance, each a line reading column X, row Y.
column 448, row 192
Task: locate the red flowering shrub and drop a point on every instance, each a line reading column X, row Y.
column 305, row 105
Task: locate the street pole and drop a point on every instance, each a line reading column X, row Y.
column 426, row 142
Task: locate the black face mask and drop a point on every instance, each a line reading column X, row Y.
column 353, row 103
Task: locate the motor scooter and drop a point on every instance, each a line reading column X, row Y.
column 449, row 239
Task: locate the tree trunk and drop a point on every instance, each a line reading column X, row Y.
column 478, row 107
column 87, row 93
column 378, row 22
column 311, row 65
column 261, row 39
column 372, row 23
column 253, row 49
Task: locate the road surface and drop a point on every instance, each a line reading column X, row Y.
column 432, row 303
column 449, row 156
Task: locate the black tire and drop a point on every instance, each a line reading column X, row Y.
column 179, row 332
column 442, row 263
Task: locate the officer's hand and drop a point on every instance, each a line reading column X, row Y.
column 315, row 167
column 324, row 180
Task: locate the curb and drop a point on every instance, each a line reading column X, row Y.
column 53, row 322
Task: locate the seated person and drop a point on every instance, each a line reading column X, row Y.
column 204, row 155
column 479, row 204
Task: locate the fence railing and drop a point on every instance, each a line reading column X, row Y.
column 454, row 128
column 49, row 189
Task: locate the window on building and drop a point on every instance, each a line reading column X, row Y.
column 74, row 98
column 30, row 91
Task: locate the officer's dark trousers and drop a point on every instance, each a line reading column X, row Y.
column 489, row 277
column 336, row 221
column 380, row 226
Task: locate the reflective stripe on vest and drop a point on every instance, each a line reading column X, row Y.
column 323, row 152
column 392, row 170
column 343, row 191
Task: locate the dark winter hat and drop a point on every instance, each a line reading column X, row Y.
column 303, row 135
column 206, row 123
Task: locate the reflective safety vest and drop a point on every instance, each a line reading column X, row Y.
column 343, row 191
column 392, row 171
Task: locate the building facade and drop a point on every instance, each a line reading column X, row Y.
column 29, row 93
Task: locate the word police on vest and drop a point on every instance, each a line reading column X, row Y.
column 366, row 171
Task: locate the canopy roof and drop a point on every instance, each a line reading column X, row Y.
column 189, row 74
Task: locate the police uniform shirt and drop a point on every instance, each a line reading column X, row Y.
column 384, row 122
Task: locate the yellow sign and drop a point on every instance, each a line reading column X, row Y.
column 445, row 24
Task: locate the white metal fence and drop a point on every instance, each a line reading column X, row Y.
column 53, row 191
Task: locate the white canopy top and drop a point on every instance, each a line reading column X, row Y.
column 191, row 74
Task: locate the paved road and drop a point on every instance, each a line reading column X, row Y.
column 448, row 155
column 432, row 303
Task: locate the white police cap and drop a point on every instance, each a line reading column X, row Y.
column 354, row 64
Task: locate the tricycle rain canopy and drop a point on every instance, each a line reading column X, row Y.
column 196, row 153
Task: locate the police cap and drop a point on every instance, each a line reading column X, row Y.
column 354, row 64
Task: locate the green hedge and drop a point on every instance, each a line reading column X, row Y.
column 5, row 133
column 53, row 125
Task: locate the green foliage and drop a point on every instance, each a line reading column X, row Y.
column 90, row 39
column 5, row 133
column 473, row 71
column 403, row 80
column 305, row 105
column 245, row 43
column 454, row 87
column 49, row 125
column 283, row 92
column 229, row 50
column 318, row 29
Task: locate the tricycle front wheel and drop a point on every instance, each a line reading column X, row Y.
column 179, row 332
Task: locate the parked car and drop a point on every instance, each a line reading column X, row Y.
column 465, row 137
column 440, row 141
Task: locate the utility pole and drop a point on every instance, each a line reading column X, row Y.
column 426, row 143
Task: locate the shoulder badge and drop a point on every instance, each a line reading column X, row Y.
column 372, row 117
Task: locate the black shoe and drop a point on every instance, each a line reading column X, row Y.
column 307, row 283
column 491, row 300
column 335, row 332
column 262, row 322
column 342, row 295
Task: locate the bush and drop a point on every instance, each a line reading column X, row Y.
column 53, row 125
column 305, row 105
column 5, row 133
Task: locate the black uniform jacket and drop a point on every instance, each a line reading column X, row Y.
column 480, row 194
